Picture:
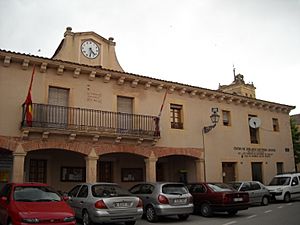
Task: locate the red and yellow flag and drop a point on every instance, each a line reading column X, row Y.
column 28, row 102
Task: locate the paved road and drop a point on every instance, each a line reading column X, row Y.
column 273, row 214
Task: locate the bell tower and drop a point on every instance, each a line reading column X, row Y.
column 239, row 87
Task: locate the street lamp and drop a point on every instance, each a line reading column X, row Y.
column 214, row 119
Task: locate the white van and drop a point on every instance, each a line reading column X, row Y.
column 285, row 187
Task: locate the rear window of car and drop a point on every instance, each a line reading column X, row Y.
column 220, row 187
column 106, row 191
column 35, row 194
column 280, row 181
column 174, row 189
column 235, row 185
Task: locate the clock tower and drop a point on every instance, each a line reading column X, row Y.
column 88, row 48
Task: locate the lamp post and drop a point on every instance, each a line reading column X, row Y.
column 214, row 119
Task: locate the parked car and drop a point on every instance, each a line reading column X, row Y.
column 285, row 187
column 217, row 197
column 164, row 199
column 258, row 193
column 104, row 202
column 33, row 203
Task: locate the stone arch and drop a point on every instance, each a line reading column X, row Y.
column 137, row 150
column 77, row 147
column 9, row 144
column 193, row 152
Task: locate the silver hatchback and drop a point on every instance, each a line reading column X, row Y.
column 104, row 202
column 164, row 199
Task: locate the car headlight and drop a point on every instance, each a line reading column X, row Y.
column 69, row 219
column 30, row 220
column 279, row 189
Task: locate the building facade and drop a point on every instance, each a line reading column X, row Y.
column 91, row 121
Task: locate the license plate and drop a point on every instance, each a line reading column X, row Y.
column 122, row 204
column 180, row 200
column 238, row 199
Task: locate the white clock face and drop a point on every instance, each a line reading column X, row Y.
column 90, row 49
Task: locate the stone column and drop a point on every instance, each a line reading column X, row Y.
column 151, row 168
column 200, row 170
column 91, row 166
column 18, row 165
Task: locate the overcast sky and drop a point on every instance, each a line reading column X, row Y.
column 193, row 42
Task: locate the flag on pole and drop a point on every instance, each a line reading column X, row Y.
column 156, row 119
column 163, row 103
column 28, row 102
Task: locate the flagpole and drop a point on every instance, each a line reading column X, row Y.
column 163, row 103
column 156, row 119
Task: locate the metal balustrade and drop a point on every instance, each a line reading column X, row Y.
column 90, row 120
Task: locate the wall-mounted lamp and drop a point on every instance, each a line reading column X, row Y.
column 214, row 119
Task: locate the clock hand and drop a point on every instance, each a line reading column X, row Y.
column 92, row 51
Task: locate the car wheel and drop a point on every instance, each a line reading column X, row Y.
column 86, row 220
column 183, row 217
column 130, row 222
column 287, row 197
column 265, row 200
column 205, row 210
column 232, row 212
column 151, row 214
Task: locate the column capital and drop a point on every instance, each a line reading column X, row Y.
column 92, row 155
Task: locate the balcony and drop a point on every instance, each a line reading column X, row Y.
column 69, row 120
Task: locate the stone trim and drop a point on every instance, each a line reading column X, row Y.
column 86, row 148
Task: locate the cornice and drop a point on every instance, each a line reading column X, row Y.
column 107, row 75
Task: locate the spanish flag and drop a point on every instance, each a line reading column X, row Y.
column 28, row 102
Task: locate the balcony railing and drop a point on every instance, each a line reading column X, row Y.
column 90, row 120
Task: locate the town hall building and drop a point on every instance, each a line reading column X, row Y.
column 86, row 119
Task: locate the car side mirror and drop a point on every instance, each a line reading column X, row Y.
column 66, row 198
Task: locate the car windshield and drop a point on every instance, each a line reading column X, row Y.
column 35, row 194
column 277, row 181
column 235, row 185
column 219, row 187
column 176, row 189
column 107, row 190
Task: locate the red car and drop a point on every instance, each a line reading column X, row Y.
column 217, row 197
column 33, row 203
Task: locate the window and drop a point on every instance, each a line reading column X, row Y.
column 38, row 170
column 74, row 174
column 105, row 171
column 255, row 186
column 254, row 132
column 176, row 114
column 226, row 118
column 295, row 181
column 58, row 112
column 125, row 104
column 83, row 193
column 74, row 191
column 275, row 124
column 132, row 174
column 125, row 111
column 245, row 187
column 279, row 166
